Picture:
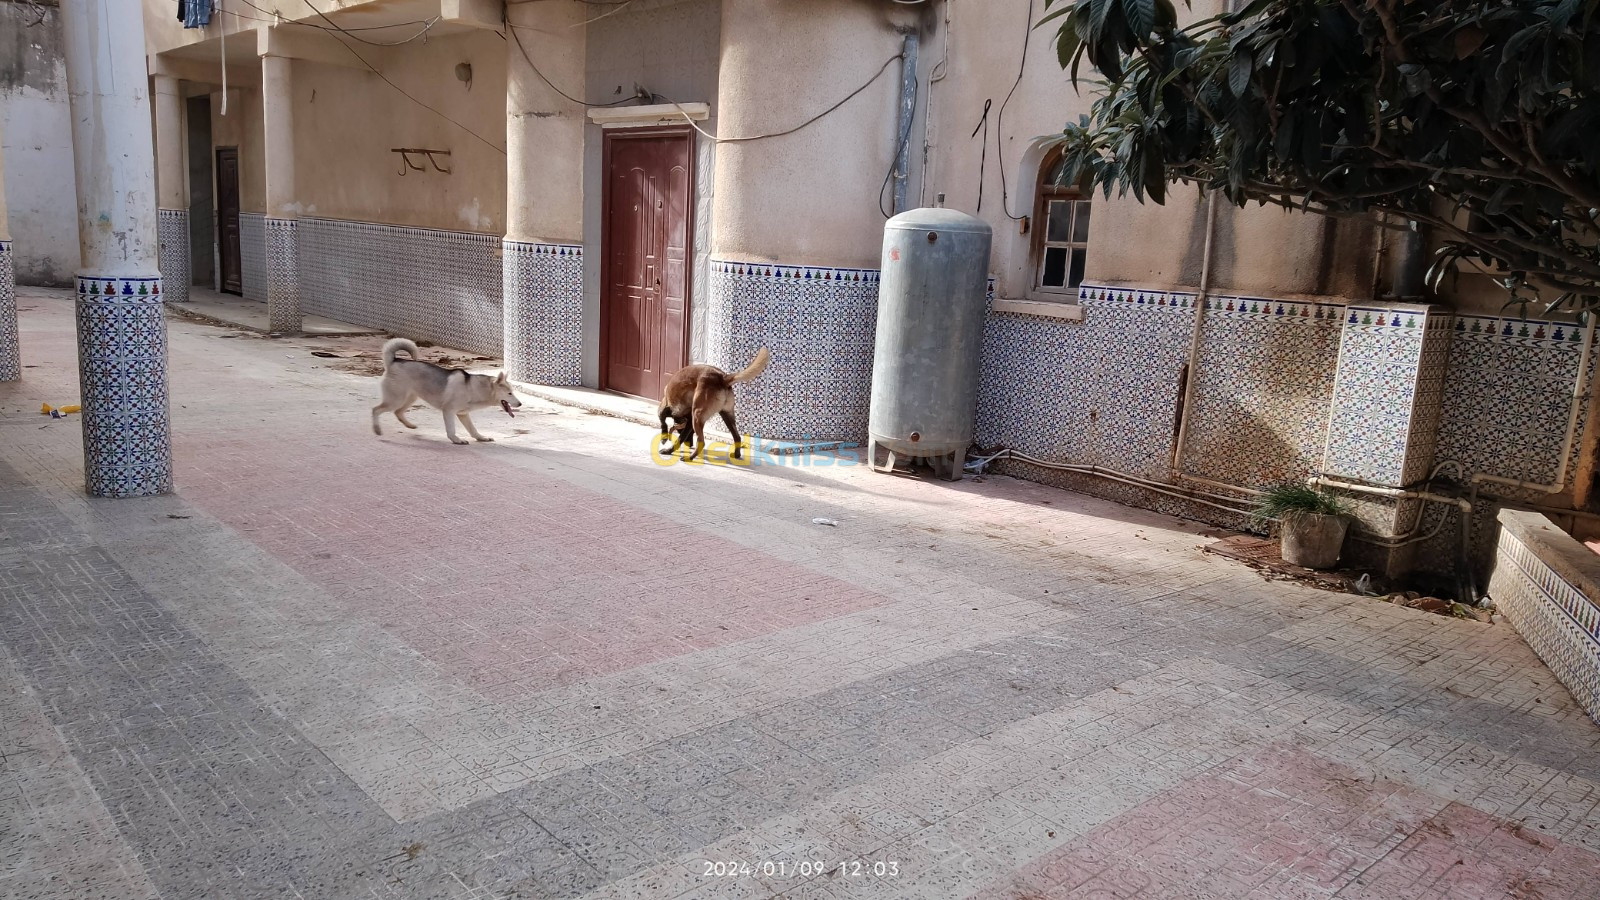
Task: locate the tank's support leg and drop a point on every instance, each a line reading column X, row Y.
column 958, row 462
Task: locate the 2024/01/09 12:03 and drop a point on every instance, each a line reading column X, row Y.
column 805, row 868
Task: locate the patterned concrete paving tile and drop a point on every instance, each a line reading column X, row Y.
column 342, row 666
column 56, row 838
column 1286, row 823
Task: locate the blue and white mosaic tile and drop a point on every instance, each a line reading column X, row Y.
column 1559, row 622
column 10, row 342
column 1262, row 387
column 421, row 283
column 819, row 324
column 252, row 256
column 283, row 280
column 1385, row 384
column 543, row 325
column 122, row 367
column 1101, row 391
column 172, row 234
column 1507, row 397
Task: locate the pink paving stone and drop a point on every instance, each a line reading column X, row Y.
column 500, row 606
column 1285, row 823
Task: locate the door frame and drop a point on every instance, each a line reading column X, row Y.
column 222, row 231
column 612, row 135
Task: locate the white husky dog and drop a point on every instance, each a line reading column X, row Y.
column 455, row 392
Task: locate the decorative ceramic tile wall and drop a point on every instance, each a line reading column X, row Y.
column 172, row 234
column 819, row 324
column 283, row 280
column 422, row 283
column 1508, row 395
column 252, row 255
column 1101, row 391
column 543, row 319
column 1389, row 383
column 1559, row 622
column 1262, row 386
column 122, row 368
column 10, row 344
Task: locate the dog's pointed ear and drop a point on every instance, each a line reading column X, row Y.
column 501, row 377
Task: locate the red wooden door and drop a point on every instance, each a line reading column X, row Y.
column 645, row 303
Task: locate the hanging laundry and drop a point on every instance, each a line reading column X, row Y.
column 196, row 13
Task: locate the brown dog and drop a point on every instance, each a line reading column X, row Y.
column 696, row 393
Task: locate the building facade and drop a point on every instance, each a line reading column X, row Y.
column 605, row 193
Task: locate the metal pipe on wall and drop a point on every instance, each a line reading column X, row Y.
column 908, row 112
column 1193, row 364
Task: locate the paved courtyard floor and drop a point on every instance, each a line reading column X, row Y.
column 337, row 665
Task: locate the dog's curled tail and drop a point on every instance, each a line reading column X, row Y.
column 756, row 367
column 395, row 345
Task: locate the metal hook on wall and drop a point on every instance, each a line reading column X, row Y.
column 407, row 165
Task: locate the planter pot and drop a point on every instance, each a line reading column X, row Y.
column 1313, row 540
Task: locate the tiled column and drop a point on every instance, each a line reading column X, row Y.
column 543, row 291
column 122, row 334
column 283, row 285
column 1384, row 420
column 172, row 223
column 1383, row 424
column 542, row 256
column 10, row 346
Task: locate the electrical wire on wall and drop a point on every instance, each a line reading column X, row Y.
column 788, row 131
column 999, row 127
column 276, row 18
column 330, row 32
column 983, row 157
column 899, row 147
column 528, row 58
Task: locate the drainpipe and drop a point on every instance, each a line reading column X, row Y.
column 1193, row 365
column 908, row 112
column 1408, row 264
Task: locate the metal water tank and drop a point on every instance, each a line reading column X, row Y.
column 931, row 301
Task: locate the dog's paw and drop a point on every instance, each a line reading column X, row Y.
column 408, row 425
column 459, row 441
column 483, row 440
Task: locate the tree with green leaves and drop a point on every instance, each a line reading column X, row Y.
column 1476, row 119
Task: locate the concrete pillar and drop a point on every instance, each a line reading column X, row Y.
column 10, row 345
column 122, row 333
column 542, row 255
column 803, row 247
column 283, row 282
column 172, row 196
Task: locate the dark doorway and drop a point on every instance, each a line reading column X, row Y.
column 202, row 215
column 644, row 316
column 232, row 272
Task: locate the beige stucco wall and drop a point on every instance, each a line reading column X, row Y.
column 348, row 120
column 544, row 130
column 809, row 197
column 1256, row 251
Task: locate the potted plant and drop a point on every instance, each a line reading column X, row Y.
column 1311, row 523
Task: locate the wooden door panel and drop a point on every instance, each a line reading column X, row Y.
column 645, row 305
column 231, row 276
